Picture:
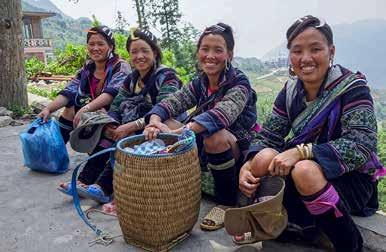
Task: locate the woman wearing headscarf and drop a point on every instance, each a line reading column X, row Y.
column 94, row 86
column 149, row 83
column 225, row 116
column 322, row 136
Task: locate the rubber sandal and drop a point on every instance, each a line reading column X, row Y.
column 215, row 216
column 110, row 208
column 247, row 239
column 68, row 191
column 94, row 192
column 217, row 247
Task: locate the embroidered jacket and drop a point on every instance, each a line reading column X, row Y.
column 340, row 123
column 233, row 108
column 78, row 90
column 158, row 83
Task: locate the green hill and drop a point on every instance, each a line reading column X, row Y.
column 61, row 29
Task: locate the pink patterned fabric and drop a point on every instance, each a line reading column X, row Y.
column 324, row 202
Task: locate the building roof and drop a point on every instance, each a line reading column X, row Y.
column 38, row 14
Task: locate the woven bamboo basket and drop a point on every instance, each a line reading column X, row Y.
column 157, row 197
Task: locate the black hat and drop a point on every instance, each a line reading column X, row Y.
column 146, row 35
column 105, row 31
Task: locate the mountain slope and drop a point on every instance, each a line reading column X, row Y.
column 61, row 29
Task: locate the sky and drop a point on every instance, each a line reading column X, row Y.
column 259, row 25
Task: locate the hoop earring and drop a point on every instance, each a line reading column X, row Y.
column 291, row 71
column 227, row 65
column 331, row 63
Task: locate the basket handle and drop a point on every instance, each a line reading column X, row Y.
column 75, row 195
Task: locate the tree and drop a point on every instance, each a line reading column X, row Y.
column 142, row 12
column 95, row 22
column 166, row 14
column 13, row 89
column 121, row 23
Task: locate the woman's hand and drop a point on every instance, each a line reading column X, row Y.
column 108, row 130
column 247, row 182
column 283, row 163
column 177, row 131
column 78, row 114
column 152, row 130
column 124, row 131
column 44, row 114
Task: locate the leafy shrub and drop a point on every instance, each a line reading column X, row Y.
column 120, row 46
column 50, row 92
column 19, row 111
column 68, row 61
column 169, row 59
column 264, row 106
column 33, row 66
column 382, row 156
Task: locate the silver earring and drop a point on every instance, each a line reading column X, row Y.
column 227, row 65
column 291, row 70
column 331, row 63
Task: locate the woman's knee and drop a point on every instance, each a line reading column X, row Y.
column 261, row 161
column 308, row 177
column 219, row 141
column 68, row 113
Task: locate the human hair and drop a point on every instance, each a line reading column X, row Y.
column 106, row 33
column 309, row 21
column 223, row 30
column 149, row 38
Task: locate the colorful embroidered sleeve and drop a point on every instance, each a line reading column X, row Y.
column 358, row 137
column 122, row 95
column 168, row 83
column 120, row 72
column 175, row 104
column 274, row 130
column 226, row 111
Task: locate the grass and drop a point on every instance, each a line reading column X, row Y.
column 19, row 111
column 50, row 92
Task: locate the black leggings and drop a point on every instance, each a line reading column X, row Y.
column 356, row 190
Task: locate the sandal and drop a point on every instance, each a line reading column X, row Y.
column 94, row 192
column 213, row 220
column 246, row 238
column 110, row 208
column 67, row 189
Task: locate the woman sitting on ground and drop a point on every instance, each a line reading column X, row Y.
column 149, row 83
column 95, row 85
column 225, row 116
column 322, row 136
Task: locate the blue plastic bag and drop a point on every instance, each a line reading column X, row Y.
column 44, row 148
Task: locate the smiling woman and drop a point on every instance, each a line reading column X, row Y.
column 95, row 85
column 322, row 137
column 149, row 83
column 225, row 118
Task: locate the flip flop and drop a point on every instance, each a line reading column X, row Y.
column 247, row 239
column 62, row 188
column 94, row 192
column 213, row 220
